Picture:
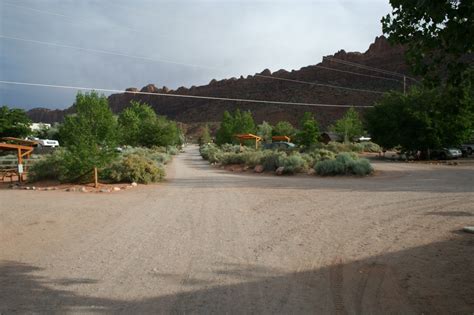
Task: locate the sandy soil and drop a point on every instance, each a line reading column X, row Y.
column 212, row 241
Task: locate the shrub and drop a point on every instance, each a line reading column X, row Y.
column 157, row 154
column 370, row 147
column 292, row 164
column 329, row 167
column 134, row 168
column 338, row 147
column 271, row 160
column 231, row 148
column 231, row 158
column 210, row 152
column 253, row 158
column 361, row 167
column 48, row 167
column 321, row 155
column 344, row 163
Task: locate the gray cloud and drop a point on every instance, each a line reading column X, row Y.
column 235, row 37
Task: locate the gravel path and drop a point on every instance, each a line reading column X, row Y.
column 212, row 241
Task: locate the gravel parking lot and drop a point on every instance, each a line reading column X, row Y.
column 212, row 241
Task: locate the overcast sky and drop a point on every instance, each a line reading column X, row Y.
column 176, row 43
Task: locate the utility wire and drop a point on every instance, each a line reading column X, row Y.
column 174, row 62
column 180, row 96
column 369, row 68
column 356, row 73
column 61, row 15
column 100, row 51
column 83, row 21
column 320, row 84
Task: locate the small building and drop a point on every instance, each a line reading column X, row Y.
column 329, row 136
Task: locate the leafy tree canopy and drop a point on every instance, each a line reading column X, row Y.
column 418, row 120
column 438, row 33
column 349, row 126
column 284, row 128
column 14, row 123
column 89, row 136
column 205, row 136
column 264, row 130
column 309, row 132
column 238, row 123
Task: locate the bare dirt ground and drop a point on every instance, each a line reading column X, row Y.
column 211, row 241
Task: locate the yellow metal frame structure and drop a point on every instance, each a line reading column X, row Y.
column 249, row 136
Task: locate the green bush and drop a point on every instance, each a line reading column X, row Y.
column 361, row 167
column 134, row 168
column 271, row 160
column 227, row 147
column 292, row 164
column 329, row 167
column 210, row 152
column 322, row 154
column 157, row 154
column 253, row 158
column 47, row 167
column 370, row 147
column 227, row 158
column 344, row 163
column 338, row 147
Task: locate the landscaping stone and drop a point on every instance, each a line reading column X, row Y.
column 258, row 169
column 83, row 189
column 134, row 184
column 116, row 188
column 105, row 190
column 280, row 170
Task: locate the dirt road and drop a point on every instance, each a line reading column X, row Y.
column 211, row 241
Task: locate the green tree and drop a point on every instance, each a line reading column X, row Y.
column 205, row 136
column 14, row 123
column 226, row 129
column 243, row 122
column 264, row 130
column 239, row 123
column 438, row 34
column 161, row 132
column 417, row 121
column 284, row 128
column 133, row 120
column 89, row 136
column 349, row 126
column 309, row 132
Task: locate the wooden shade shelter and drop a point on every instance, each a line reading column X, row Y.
column 281, row 138
column 249, row 136
column 23, row 152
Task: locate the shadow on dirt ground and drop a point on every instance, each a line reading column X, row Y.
column 436, row 278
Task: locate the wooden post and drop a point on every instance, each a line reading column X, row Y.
column 20, row 161
column 96, row 180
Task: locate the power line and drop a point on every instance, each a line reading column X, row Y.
column 180, row 96
column 369, row 68
column 320, row 84
column 174, row 62
column 70, row 17
column 356, row 73
column 100, row 51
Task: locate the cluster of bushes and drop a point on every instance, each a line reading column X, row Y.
column 338, row 147
column 141, row 165
column 90, row 137
column 344, row 164
column 292, row 162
